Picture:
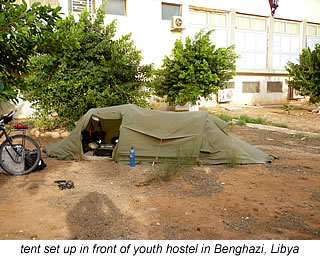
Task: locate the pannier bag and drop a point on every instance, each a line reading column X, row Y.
column 30, row 158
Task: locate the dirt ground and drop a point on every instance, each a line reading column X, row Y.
column 280, row 200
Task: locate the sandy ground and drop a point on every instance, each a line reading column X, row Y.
column 280, row 200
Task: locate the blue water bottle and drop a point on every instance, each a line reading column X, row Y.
column 132, row 157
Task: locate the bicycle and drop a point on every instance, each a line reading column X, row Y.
column 19, row 154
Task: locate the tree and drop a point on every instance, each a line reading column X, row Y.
column 23, row 33
column 196, row 69
column 305, row 75
column 104, row 72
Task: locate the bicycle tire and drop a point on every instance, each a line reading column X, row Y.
column 24, row 143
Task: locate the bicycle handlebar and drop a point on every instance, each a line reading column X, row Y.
column 7, row 118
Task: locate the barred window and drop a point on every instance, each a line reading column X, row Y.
column 274, row 87
column 250, row 87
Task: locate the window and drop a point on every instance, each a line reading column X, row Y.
column 78, row 5
column 250, row 87
column 230, row 85
column 313, row 36
column 208, row 18
column 286, row 43
column 251, row 23
column 251, row 42
column 212, row 20
column 169, row 10
column 274, row 87
column 286, row 27
column 53, row 3
column 116, row 7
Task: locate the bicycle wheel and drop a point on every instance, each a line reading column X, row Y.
column 14, row 155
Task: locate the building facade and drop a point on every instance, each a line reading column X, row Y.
column 264, row 43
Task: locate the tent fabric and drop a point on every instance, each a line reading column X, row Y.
column 160, row 136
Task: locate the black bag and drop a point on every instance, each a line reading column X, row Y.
column 30, row 158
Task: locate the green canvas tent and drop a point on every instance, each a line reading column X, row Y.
column 158, row 136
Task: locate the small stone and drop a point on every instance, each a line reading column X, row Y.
column 47, row 134
column 37, row 133
column 65, row 134
column 55, row 135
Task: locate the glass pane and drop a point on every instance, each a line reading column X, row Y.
column 250, row 42
column 115, row 7
column 310, row 43
column 261, row 42
column 283, row 60
column 295, row 46
column 311, row 30
column 220, row 20
column 243, row 22
column 197, row 17
column 276, row 43
column 258, row 24
column 261, row 60
column 170, row 10
column 240, row 60
column 285, row 44
column 211, row 20
column 220, row 38
column 276, row 61
column 250, row 59
column 293, row 28
column 239, row 41
column 280, row 27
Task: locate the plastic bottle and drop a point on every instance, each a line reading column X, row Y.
column 132, row 157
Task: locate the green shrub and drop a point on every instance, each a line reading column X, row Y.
column 195, row 69
column 105, row 71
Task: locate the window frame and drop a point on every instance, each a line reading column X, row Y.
column 259, row 87
column 170, row 4
column 220, row 32
column 286, row 27
column 312, row 40
column 273, row 91
column 124, row 9
column 251, row 17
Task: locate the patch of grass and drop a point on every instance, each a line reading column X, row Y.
column 308, row 138
column 225, row 117
column 286, row 107
column 170, row 168
column 242, row 119
column 248, row 119
column 283, row 125
column 232, row 161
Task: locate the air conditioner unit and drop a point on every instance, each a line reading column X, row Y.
column 225, row 95
column 177, row 24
